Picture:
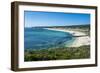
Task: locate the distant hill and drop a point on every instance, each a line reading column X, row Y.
column 71, row 26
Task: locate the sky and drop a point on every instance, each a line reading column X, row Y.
column 34, row 19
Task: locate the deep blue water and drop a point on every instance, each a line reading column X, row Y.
column 39, row 38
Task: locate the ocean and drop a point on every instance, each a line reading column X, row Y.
column 40, row 38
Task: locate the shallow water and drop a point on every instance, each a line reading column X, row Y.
column 40, row 38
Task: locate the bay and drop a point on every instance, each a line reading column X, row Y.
column 41, row 38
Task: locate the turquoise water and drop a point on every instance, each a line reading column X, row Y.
column 40, row 38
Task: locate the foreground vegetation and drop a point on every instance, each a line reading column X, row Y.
column 58, row 53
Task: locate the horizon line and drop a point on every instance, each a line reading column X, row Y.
column 59, row 25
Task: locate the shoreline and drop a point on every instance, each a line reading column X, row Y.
column 79, row 41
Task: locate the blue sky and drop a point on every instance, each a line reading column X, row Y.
column 33, row 19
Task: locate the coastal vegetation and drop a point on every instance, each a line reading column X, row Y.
column 81, row 28
column 58, row 53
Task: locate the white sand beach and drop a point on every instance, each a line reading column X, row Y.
column 82, row 38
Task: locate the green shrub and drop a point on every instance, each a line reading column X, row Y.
column 58, row 53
